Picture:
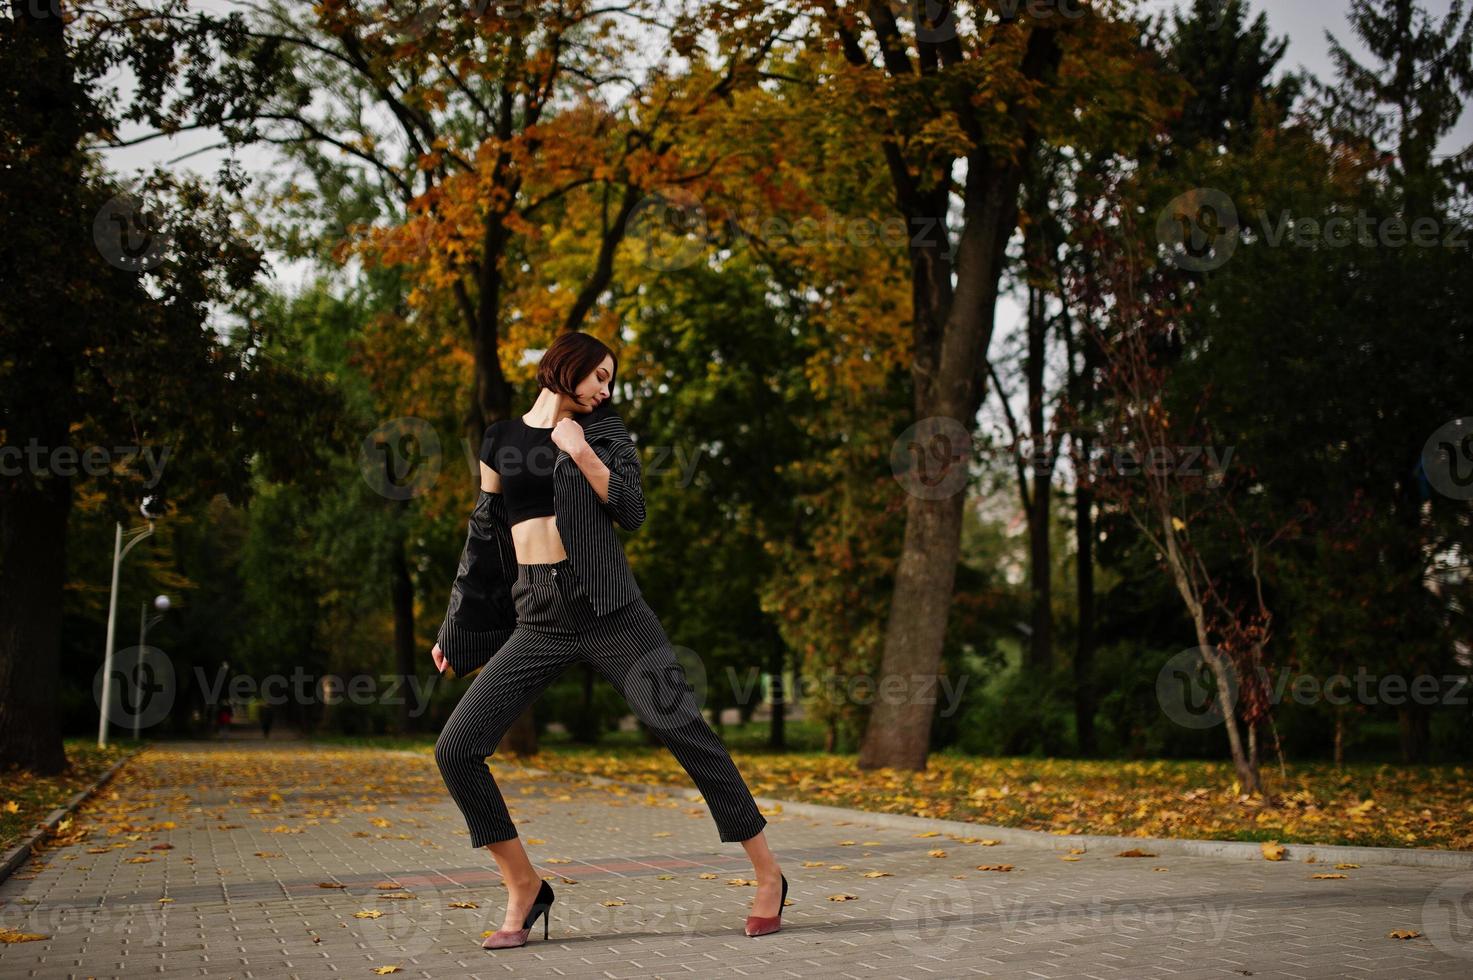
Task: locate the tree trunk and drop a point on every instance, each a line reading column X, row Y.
column 1041, row 640
column 952, row 331
column 44, row 118
column 777, row 733
column 33, row 529
column 1084, row 644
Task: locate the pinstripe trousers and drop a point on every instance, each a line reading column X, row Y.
column 556, row 627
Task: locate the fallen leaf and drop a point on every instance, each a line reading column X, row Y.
column 1403, row 934
column 844, row 896
column 464, row 905
column 937, row 853
column 1329, row 876
column 1345, row 865
column 1272, row 850
column 708, row 875
column 9, row 935
column 611, row 902
column 368, row 914
column 381, row 970
column 330, row 884
column 878, row 874
column 997, row 867
column 929, row 833
column 1136, row 852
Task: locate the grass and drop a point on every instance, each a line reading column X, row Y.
column 26, row 799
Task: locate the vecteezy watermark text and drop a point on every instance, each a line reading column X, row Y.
column 42, row 460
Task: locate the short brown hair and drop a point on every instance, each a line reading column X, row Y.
column 571, row 358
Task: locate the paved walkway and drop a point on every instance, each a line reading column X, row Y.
column 210, row 858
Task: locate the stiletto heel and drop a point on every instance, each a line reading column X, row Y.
column 761, row 925
column 512, row 938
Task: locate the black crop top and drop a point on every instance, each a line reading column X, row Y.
column 523, row 456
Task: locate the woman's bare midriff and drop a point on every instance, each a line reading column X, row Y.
column 537, row 541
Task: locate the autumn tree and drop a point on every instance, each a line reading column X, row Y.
column 109, row 331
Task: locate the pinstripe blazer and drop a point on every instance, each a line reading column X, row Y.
column 481, row 615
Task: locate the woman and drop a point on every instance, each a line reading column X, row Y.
column 543, row 583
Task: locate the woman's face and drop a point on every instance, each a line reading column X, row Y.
column 593, row 390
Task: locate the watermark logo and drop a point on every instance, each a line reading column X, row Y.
column 1199, row 229
column 408, row 923
column 669, row 229
column 667, row 686
column 1186, row 689
column 128, row 235
column 1447, row 459
column 930, row 457
column 1447, row 916
column 142, row 690
column 401, row 458
column 931, row 917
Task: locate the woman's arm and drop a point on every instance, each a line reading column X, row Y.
column 613, row 470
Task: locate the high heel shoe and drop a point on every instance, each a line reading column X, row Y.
column 512, row 938
column 761, row 925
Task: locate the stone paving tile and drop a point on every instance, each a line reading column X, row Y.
column 255, row 833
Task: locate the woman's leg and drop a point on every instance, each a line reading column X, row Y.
column 518, row 672
column 769, row 875
column 512, row 679
column 630, row 648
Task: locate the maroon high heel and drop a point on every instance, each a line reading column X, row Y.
column 761, row 925
column 512, row 938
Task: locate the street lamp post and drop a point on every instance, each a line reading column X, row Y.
column 161, row 603
column 119, row 551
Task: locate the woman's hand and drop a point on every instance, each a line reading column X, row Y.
column 438, row 656
column 568, row 436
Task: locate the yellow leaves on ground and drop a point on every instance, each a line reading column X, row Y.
column 11, row 806
column 937, row 853
column 388, row 886
column 1403, row 934
column 996, row 867
column 140, row 860
column 1272, row 850
column 534, row 840
column 1136, row 852
column 842, row 897
column 1368, row 804
column 9, row 935
column 397, row 895
column 1329, row 875
column 330, row 884
column 381, row 970
column 709, row 875
column 268, row 854
column 368, row 914
column 463, row 905
column 611, row 902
